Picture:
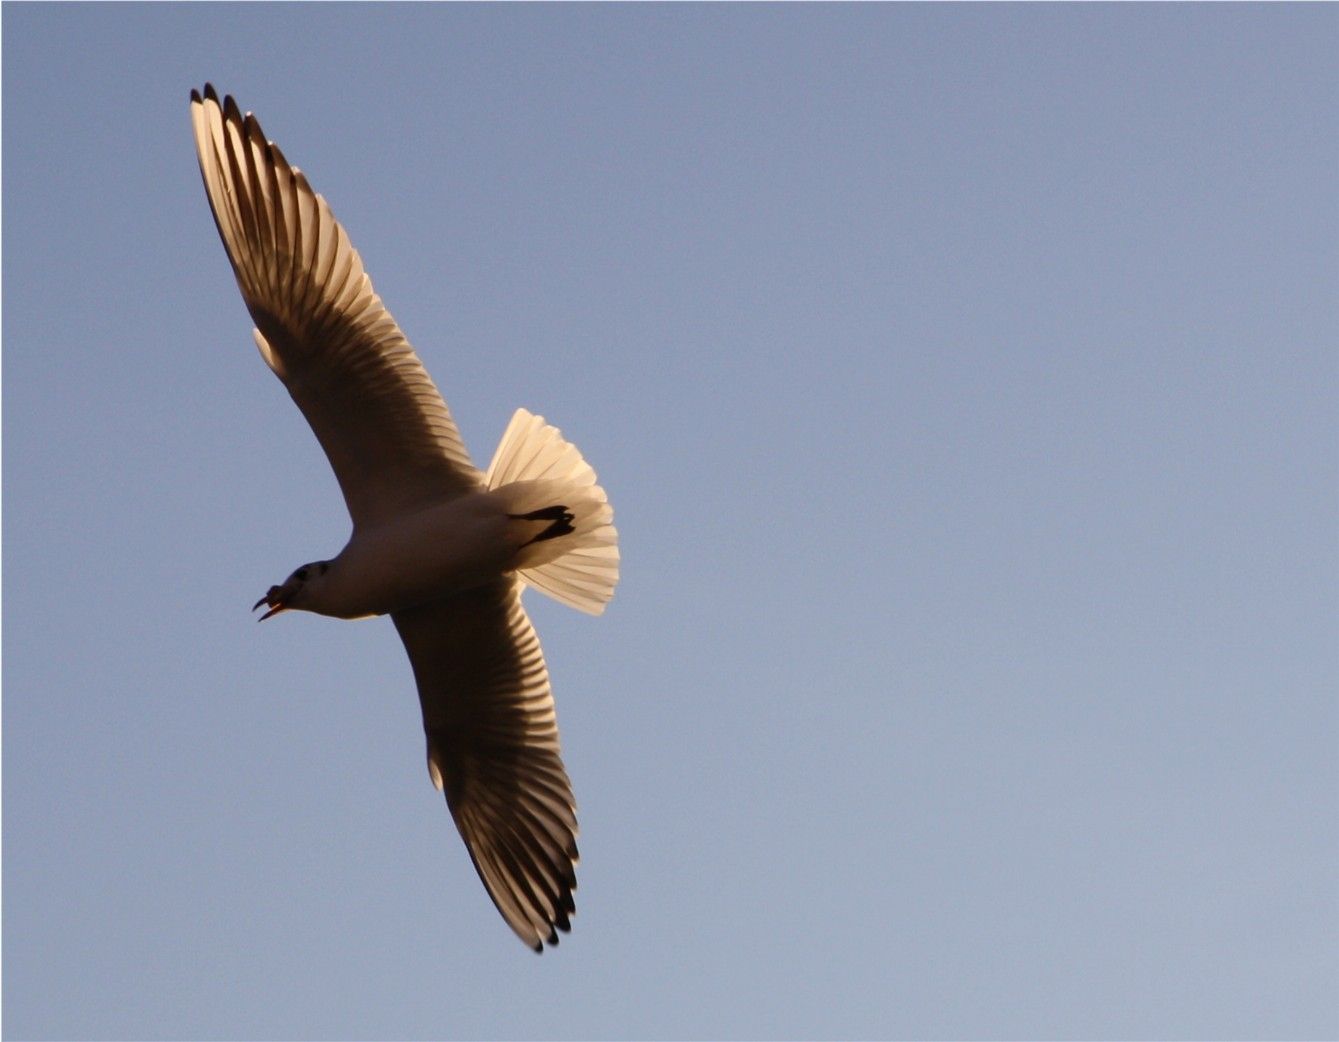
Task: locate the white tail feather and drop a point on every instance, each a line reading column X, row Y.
column 537, row 469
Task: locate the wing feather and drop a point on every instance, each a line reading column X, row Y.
column 375, row 410
column 493, row 743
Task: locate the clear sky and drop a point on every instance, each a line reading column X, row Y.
column 964, row 381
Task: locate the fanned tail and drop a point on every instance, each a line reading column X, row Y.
column 570, row 546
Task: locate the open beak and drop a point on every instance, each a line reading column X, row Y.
column 274, row 599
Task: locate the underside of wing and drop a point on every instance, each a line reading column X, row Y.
column 493, row 748
column 322, row 328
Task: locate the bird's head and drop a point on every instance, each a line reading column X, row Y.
column 294, row 590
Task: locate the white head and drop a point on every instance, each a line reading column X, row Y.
column 300, row 587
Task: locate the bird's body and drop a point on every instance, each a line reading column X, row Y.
column 438, row 545
column 441, row 549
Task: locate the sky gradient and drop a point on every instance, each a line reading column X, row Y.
column 963, row 379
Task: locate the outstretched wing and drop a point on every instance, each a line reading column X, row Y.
column 493, row 749
column 322, row 328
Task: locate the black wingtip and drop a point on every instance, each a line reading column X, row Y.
column 230, row 110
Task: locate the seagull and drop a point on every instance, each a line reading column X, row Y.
column 441, row 547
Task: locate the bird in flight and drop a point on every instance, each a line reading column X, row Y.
column 442, row 548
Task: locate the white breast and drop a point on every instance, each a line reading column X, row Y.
column 417, row 558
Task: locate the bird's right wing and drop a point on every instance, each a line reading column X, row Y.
column 321, row 327
column 493, row 748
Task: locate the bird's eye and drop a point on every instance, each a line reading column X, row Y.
column 302, row 574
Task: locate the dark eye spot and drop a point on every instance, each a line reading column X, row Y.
column 325, row 567
column 302, row 574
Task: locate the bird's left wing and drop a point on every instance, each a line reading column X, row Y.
column 323, row 330
column 493, row 748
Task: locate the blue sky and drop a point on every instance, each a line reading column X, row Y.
column 964, row 382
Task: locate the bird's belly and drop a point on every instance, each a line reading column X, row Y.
column 422, row 557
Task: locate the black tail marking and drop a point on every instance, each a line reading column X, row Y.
column 560, row 517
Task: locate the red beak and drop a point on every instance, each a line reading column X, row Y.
column 272, row 599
